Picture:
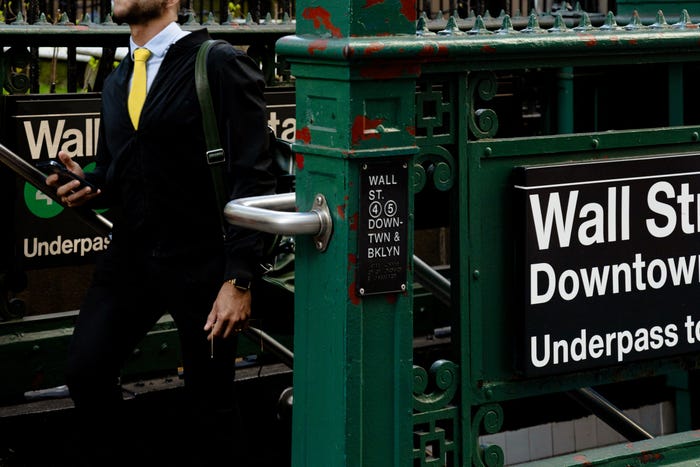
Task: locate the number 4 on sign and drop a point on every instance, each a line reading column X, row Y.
column 40, row 196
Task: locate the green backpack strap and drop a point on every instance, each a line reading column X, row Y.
column 216, row 157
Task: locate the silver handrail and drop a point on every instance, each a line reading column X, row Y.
column 272, row 214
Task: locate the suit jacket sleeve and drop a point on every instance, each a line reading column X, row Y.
column 238, row 91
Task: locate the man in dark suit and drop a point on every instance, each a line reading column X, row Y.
column 167, row 253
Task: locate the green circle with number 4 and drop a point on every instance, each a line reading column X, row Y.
column 40, row 204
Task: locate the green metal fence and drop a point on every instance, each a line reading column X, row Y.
column 487, row 120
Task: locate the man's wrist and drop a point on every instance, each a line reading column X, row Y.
column 241, row 284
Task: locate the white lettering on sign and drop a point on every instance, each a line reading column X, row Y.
column 63, row 246
column 611, row 262
column 546, row 351
column 596, row 217
column 382, row 252
column 52, row 136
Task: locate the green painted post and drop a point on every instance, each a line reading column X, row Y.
column 353, row 348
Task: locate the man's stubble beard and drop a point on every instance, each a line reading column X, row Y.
column 141, row 12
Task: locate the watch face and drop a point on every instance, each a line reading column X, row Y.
column 241, row 284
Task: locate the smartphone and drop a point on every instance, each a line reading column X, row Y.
column 64, row 175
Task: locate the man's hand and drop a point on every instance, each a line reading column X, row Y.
column 230, row 312
column 69, row 196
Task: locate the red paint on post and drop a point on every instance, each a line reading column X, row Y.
column 374, row 48
column 299, row 159
column 319, row 44
column 354, row 221
column 361, row 124
column 411, row 130
column 591, row 41
column 321, row 16
column 352, row 260
column 489, row 49
column 648, row 457
column 352, row 294
column 391, row 298
column 408, row 9
column 371, row 3
column 304, row 135
column 341, row 211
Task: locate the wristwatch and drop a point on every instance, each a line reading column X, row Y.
column 240, row 284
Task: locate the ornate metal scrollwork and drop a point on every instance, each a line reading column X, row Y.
column 483, row 123
column 446, row 379
column 491, row 418
column 436, row 430
column 14, row 65
column 436, row 163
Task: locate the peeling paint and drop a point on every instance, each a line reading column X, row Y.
column 374, row 48
column 299, row 159
column 359, row 127
column 371, row 3
column 352, row 260
column 319, row 44
column 408, row 9
column 650, row 457
column 352, row 294
column 582, row 459
column 341, row 211
column 489, row 49
column 304, row 135
column 411, row 130
column 321, row 16
column 354, row 221
column 591, row 40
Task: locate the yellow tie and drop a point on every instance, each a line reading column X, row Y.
column 137, row 96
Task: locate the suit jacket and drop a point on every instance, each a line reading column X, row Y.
column 158, row 177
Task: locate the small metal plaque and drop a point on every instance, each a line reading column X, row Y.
column 383, row 227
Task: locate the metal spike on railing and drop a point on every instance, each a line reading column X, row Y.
column 108, row 20
column 502, row 14
column 268, row 18
column 230, row 20
column 87, row 20
column 635, row 23
column 506, row 26
column 451, row 28
column 211, row 20
column 42, row 21
column 577, row 7
column 559, row 24
column 64, row 21
column 517, row 14
column 455, row 13
column 533, row 25
column 422, row 28
column 472, row 14
column 487, row 15
column 191, row 19
column 248, row 19
column 479, row 28
column 584, row 24
column 610, row 23
column 19, row 20
column 685, row 22
column 286, row 19
column 660, row 22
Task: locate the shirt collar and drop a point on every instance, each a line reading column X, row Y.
column 162, row 41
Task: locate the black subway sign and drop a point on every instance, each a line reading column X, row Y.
column 383, row 227
column 611, row 262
